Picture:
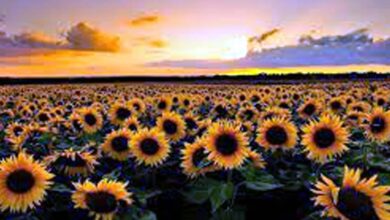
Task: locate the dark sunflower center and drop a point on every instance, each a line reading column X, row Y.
column 226, row 144
column 353, row 117
column 17, row 130
column 149, row 146
column 309, row 109
column 78, row 161
column 123, row 113
column 358, row 108
column 190, row 123
column 324, row 137
column 222, row 112
column 90, row 119
column 248, row 114
column 242, row 97
column 355, row 205
column 198, row 156
column 120, row 144
column 186, row 102
column 170, row 127
column 276, row 135
column 378, row 125
column 136, row 106
column 43, row 117
column 20, row 181
column 284, row 105
column 132, row 127
column 336, row 105
column 381, row 102
column 101, row 202
column 162, row 105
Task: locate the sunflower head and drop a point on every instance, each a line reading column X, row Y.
column 194, row 159
column 103, row 199
column 119, row 112
column 277, row 133
column 325, row 138
column 378, row 127
column 228, row 147
column 172, row 125
column 91, row 120
column 23, row 183
column 150, row 147
column 117, row 144
column 357, row 198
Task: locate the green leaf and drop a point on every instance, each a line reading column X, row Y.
column 200, row 191
column 259, row 180
column 230, row 214
column 148, row 215
column 220, row 195
column 60, row 188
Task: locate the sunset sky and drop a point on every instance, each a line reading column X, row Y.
column 176, row 37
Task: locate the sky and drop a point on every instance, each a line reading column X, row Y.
column 199, row 37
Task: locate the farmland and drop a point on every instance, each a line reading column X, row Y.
column 196, row 151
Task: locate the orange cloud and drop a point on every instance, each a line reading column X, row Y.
column 144, row 20
column 85, row 37
column 81, row 36
column 153, row 42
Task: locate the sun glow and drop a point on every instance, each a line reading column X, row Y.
column 235, row 48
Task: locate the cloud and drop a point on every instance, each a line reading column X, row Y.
column 144, row 20
column 354, row 48
column 153, row 42
column 85, row 37
column 81, row 36
column 255, row 42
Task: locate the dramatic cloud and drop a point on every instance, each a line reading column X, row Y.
column 85, row 37
column 144, row 20
column 255, row 42
column 354, row 48
column 79, row 37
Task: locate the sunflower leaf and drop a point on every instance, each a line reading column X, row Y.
column 220, row 195
column 259, row 180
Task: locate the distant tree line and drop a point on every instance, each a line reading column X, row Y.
column 261, row 78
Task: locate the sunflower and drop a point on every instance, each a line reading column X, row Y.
column 277, row 133
column 150, row 147
column 357, row 199
column 23, row 183
column 336, row 105
column 228, row 147
column 163, row 104
column 73, row 163
column 309, row 109
column 378, row 128
column 191, row 123
column 172, row 125
column 248, row 114
column 14, row 130
column 102, row 200
column 194, row 159
column 325, row 138
column 91, row 121
column 117, row 144
column 137, row 104
column 256, row 159
column 275, row 112
column 119, row 112
column 132, row 124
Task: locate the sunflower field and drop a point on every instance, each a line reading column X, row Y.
column 195, row 151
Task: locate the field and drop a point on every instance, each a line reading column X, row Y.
column 195, row 151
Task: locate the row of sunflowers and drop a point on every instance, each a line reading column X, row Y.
column 129, row 151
